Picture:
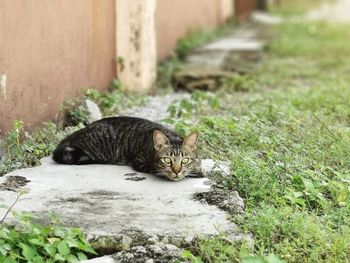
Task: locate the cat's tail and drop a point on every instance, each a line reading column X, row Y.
column 64, row 154
column 70, row 155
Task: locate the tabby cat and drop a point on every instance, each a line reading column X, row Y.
column 145, row 145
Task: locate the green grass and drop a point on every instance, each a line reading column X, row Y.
column 288, row 140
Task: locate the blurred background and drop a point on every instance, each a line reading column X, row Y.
column 50, row 50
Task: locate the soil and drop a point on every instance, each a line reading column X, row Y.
column 13, row 183
column 227, row 200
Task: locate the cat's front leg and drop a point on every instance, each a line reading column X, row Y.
column 197, row 171
column 140, row 164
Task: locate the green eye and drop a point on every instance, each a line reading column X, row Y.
column 185, row 160
column 166, row 160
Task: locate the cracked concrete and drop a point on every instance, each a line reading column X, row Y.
column 103, row 201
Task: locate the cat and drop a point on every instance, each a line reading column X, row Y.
column 147, row 146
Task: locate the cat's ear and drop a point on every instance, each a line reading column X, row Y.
column 191, row 140
column 159, row 140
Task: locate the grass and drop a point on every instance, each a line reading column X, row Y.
column 289, row 8
column 288, row 140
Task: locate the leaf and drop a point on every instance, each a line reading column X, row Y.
column 52, row 240
column 37, row 241
column 168, row 121
column 72, row 243
column 60, row 232
column 4, row 233
column 187, row 254
column 63, row 248
column 3, row 251
column 253, row 259
column 28, row 252
column 50, row 249
column 59, row 257
column 86, row 247
column 9, row 260
column 272, row 258
column 81, row 256
column 72, row 259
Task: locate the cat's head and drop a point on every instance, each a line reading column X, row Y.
column 173, row 159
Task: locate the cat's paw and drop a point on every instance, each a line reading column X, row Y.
column 197, row 173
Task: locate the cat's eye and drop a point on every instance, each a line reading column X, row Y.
column 166, row 160
column 185, row 160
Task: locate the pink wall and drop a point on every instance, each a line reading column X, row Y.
column 174, row 19
column 50, row 50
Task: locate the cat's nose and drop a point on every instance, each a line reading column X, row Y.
column 176, row 171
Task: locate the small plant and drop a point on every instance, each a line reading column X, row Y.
column 112, row 102
column 182, row 113
column 186, row 254
column 30, row 242
column 24, row 149
column 75, row 112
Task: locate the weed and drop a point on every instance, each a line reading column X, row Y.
column 23, row 149
column 30, row 242
column 75, row 112
column 115, row 100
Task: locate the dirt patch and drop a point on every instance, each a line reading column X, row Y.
column 13, row 183
column 227, row 200
column 134, row 177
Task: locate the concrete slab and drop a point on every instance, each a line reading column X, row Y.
column 266, row 18
column 104, row 200
column 235, row 44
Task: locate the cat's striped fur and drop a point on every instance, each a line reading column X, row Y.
column 145, row 145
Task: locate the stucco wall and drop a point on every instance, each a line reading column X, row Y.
column 49, row 50
column 174, row 19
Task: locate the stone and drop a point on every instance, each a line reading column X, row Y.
column 129, row 256
column 98, row 199
column 153, row 239
column 156, row 249
column 192, row 77
column 234, row 44
column 105, row 259
column 126, row 242
column 172, row 251
column 138, row 250
column 227, row 200
column 93, row 110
